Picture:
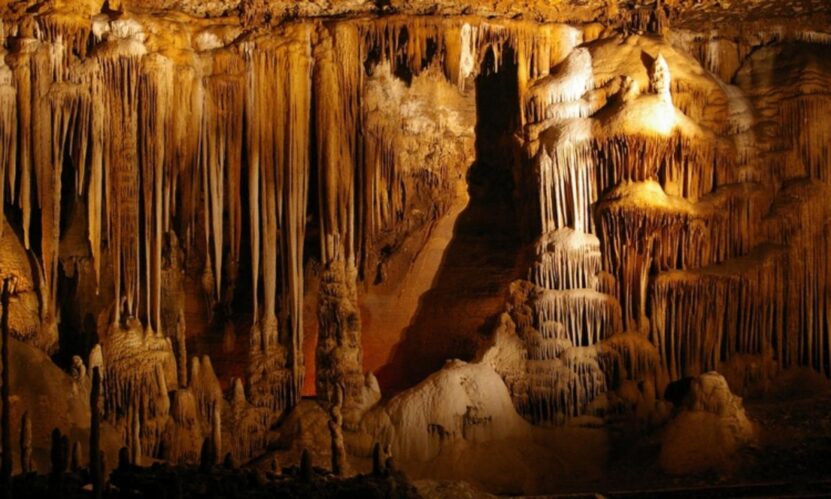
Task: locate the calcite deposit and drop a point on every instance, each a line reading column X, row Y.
column 426, row 232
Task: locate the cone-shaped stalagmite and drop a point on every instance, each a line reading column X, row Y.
column 26, row 461
column 95, row 466
column 335, row 423
column 5, row 392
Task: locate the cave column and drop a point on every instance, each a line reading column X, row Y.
column 339, row 356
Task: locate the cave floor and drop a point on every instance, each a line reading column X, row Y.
column 790, row 458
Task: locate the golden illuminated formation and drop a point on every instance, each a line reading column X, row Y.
column 441, row 248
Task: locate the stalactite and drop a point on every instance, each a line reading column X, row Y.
column 805, row 132
column 337, row 84
column 571, row 81
column 278, row 107
column 8, row 130
column 566, row 259
column 155, row 87
column 588, row 317
column 220, row 158
column 115, row 93
column 716, row 53
column 70, row 33
column 63, row 105
column 799, row 220
column 701, row 318
column 182, row 152
column 31, row 83
column 638, row 356
column 590, row 376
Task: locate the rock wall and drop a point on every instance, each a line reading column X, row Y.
column 670, row 185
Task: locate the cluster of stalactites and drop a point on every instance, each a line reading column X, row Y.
column 278, row 117
column 703, row 318
column 459, row 45
column 564, row 323
column 156, row 146
column 565, row 386
column 566, row 259
column 799, row 219
column 8, row 128
column 573, row 176
column 561, row 95
column 803, row 122
column 46, row 122
column 584, row 317
column 639, row 239
column 768, row 304
column 351, row 218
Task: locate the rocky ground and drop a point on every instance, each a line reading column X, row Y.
column 789, row 458
column 161, row 481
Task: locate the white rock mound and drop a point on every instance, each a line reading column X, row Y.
column 461, row 403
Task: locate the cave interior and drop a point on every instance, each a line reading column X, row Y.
column 415, row 248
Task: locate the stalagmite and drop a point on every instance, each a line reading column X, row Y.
column 183, row 433
column 75, row 460
column 26, row 462
column 216, row 430
column 660, row 80
column 249, row 424
column 59, row 458
column 205, row 386
column 95, row 465
column 5, row 392
column 136, row 371
column 339, row 465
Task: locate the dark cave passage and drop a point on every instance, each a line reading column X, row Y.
column 457, row 314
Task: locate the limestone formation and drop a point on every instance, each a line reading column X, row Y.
column 96, row 466
column 5, row 393
column 710, row 427
column 26, row 464
column 245, row 228
column 339, row 464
